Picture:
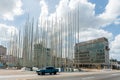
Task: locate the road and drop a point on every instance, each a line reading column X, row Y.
column 16, row 77
column 105, row 75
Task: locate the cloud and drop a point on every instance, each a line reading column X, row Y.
column 75, row 15
column 111, row 13
column 10, row 8
column 79, row 13
column 112, row 10
column 75, row 18
column 115, row 47
column 117, row 22
column 43, row 18
column 44, row 8
column 91, row 33
column 7, row 32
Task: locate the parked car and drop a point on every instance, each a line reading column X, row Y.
column 50, row 70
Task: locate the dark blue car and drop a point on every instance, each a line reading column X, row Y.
column 50, row 70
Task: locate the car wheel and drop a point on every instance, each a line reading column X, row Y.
column 50, row 73
column 43, row 73
column 39, row 73
column 54, row 73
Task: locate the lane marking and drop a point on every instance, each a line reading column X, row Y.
column 88, row 78
column 115, row 74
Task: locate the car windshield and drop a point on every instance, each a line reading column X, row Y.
column 49, row 68
column 43, row 68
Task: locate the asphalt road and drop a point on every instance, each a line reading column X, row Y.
column 103, row 76
column 107, row 75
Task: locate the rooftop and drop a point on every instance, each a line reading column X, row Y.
column 92, row 41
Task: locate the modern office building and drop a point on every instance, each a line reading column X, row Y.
column 92, row 53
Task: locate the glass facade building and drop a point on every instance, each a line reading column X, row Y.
column 92, row 52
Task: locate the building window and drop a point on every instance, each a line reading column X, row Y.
column 107, row 48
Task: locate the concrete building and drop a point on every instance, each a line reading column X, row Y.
column 9, row 60
column 61, row 62
column 42, row 56
column 64, row 64
column 3, row 51
column 92, row 53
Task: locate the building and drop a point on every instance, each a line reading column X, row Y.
column 42, row 56
column 3, row 51
column 92, row 53
column 9, row 60
column 64, row 64
column 115, row 64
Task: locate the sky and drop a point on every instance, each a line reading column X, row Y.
column 97, row 18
